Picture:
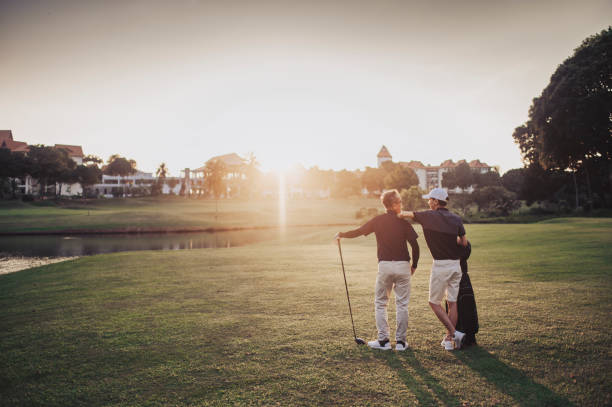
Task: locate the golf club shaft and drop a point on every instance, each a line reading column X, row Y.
column 347, row 292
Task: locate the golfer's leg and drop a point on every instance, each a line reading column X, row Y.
column 402, row 298
column 452, row 313
column 381, row 298
column 437, row 287
column 452, row 294
column 443, row 317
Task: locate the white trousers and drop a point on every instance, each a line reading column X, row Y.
column 392, row 275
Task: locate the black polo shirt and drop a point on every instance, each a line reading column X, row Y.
column 391, row 236
column 441, row 229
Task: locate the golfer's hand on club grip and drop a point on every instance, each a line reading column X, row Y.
column 337, row 236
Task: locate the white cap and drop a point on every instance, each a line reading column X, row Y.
column 437, row 193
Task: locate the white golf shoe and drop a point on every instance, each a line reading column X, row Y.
column 384, row 345
column 400, row 346
column 447, row 344
column 459, row 337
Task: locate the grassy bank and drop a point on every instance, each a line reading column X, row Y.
column 180, row 214
column 268, row 325
column 177, row 213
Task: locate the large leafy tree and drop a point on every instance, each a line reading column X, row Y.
column 50, row 165
column 119, row 166
column 401, row 178
column 13, row 166
column 570, row 123
column 461, row 176
column 88, row 175
column 412, row 198
column 373, row 179
column 513, row 180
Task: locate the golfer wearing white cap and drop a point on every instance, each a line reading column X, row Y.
column 443, row 232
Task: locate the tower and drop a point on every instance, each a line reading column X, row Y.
column 383, row 155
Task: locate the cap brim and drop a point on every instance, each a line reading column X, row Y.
column 426, row 196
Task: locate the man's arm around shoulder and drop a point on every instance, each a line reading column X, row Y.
column 407, row 214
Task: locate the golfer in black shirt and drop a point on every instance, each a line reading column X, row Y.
column 394, row 270
column 443, row 232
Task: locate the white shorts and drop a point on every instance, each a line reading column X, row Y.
column 445, row 278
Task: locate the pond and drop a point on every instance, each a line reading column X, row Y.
column 82, row 245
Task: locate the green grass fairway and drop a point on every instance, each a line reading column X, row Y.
column 268, row 324
column 173, row 213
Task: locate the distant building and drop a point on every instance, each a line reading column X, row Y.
column 30, row 185
column 383, row 155
column 6, row 141
column 234, row 165
column 430, row 176
column 114, row 185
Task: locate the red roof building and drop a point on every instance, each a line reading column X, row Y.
column 6, row 141
column 73, row 151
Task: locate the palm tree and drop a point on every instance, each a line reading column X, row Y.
column 214, row 180
column 251, row 172
column 161, row 174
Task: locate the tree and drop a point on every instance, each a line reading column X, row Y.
column 401, row 178
column 569, row 125
column 412, row 198
column 161, row 173
column 88, row 175
column 347, row 183
column 513, row 180
column 119, row 166
column 461, row 176
column 460, row 202
column 316, row 179
column 214, row 180
column 92, row 159
column 486, row 179
column 495, row 198
column 50, row 165
column 12, row 167
column 67, row 175
column 541, row 184
column 252, row 175
column 373, row 179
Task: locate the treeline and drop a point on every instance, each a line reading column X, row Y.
column 50, row 168
column 249, row 182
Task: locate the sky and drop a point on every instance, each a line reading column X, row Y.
column 323, row 83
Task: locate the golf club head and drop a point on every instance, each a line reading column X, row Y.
column 359, row 341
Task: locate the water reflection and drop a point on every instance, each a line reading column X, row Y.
column 81, row 245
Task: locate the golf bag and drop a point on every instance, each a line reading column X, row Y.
column 467, row 321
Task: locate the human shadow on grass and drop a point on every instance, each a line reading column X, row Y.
column 509, row 380
column 418, row 380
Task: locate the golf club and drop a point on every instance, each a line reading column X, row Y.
column 358, row 341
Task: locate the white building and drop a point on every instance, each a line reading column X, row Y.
column 116, row 185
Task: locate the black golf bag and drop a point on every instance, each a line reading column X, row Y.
column 467, row 321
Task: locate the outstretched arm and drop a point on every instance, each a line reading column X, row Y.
column 350, row 234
